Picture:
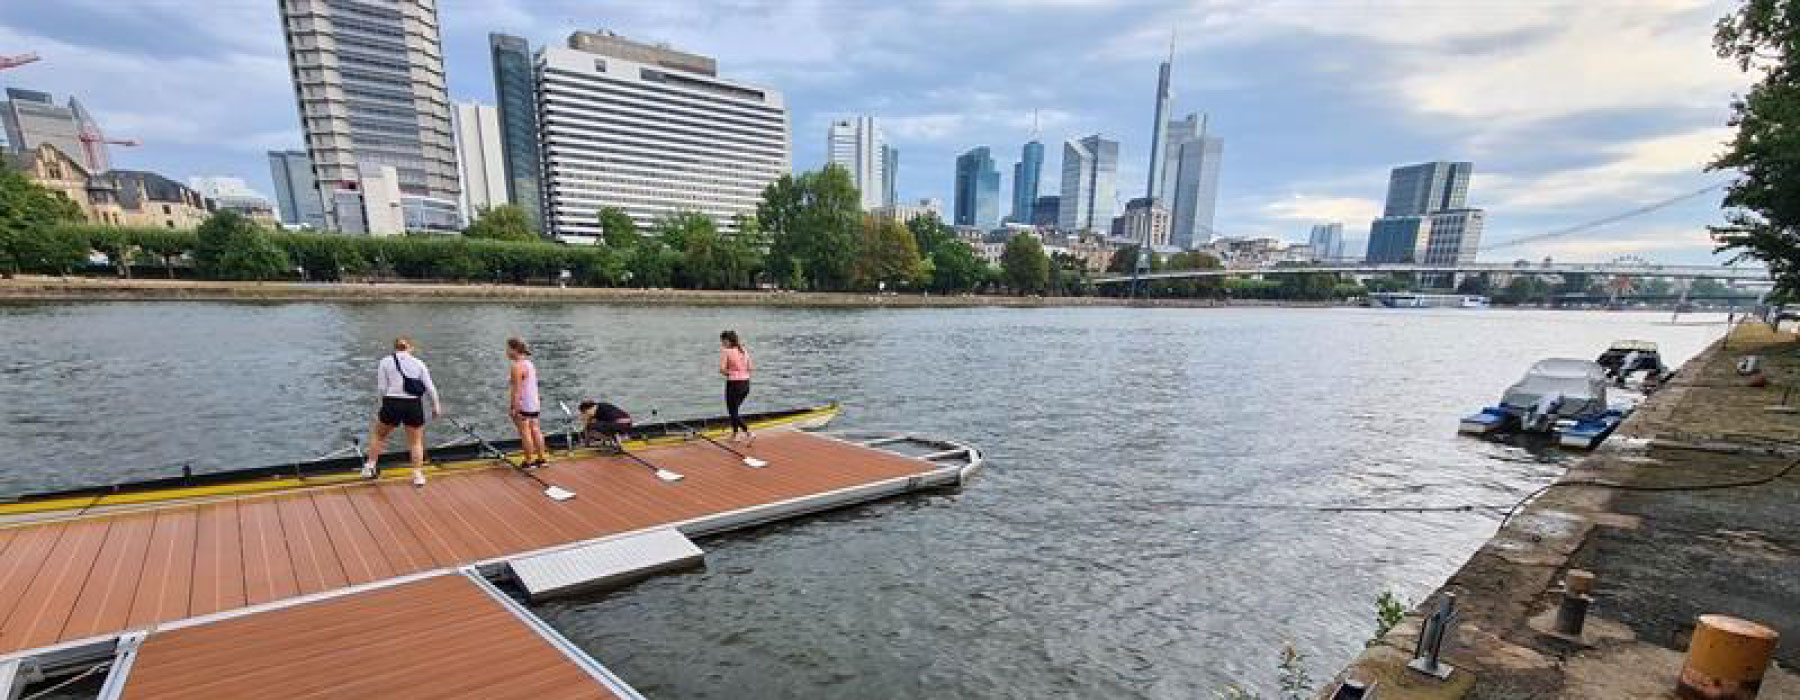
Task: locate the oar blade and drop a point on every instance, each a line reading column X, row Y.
column 558, row 493
column 754, row 462
column 667, row 475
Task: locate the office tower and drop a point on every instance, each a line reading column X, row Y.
column 478, row 158
column 1327, row 241
column 1026, row 175
column 857, row 145
column 890, row 175
column 1159, row 128
column 1427, row 219
column 1045, row 210
column 1145, row 221
column 653, row 131
column 296, row 195
column 1424, row 188
column 515, row 95
column 369, row 78
column 977, row 189
column 1190, row 183
column 1089, row 191
column 31, row 119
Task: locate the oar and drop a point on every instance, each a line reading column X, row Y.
column 660, row 472
column 747, row 459
column 556, row 493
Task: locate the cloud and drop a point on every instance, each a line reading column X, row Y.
column 1351, row 211
column 1638, row 171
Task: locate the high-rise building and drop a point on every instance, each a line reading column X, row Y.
column 1190, row 185
column 297, row 197
column 890, row 175
column 1026, row 175
column 515, row 95
column 858, row 146
column 31, row 119
column 369, row 77
column 653, row 131
column 1327, row 241
column 1159, row 129
column 1045, row 210
column 478, row 158
column 1427, row 219
column 977, row 189
column 1089, row 197
column 1424, row 188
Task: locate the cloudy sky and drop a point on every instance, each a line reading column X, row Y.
column 1571, row 111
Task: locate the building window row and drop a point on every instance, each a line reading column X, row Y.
column 661, row 121
column 663, row 95
column 591, row 140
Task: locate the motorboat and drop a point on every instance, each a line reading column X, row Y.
column 1560, row 397
column 1627, row 357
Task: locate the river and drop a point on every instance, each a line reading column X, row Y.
column 1089, row 560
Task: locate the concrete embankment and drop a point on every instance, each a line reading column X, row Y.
column 90, row 289
column 1661, row 557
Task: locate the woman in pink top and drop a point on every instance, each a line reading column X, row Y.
column 523, row 405
column 734, row 364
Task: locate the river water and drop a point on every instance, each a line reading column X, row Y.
column 1089, row 560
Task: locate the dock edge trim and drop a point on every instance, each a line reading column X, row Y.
column 592, row 666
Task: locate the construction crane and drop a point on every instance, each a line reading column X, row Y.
column 91, row 140
column 16, row 61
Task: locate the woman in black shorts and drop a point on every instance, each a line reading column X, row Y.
column 403, row 382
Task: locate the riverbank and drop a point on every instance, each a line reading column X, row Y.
column 1661, row 558
column 30, row 288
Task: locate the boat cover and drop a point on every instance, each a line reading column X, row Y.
column 1582, row 385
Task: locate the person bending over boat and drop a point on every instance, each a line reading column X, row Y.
column 603, row 423
column 403, row 381
column 522, row 404
column 734, row 365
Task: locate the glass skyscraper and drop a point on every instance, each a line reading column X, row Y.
column 977, row 189
column 1190, row 185
column 1026, row 175
column 296, row 195
column 1427, row 219
column 515, row 91
column 1416, row 190
column 1089, row 197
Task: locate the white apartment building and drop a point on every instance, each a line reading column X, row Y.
column 652, row 131
column 859, row 146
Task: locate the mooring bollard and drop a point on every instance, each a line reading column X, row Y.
column 1431, row 640
column 1571, row 613
column 1726, row 659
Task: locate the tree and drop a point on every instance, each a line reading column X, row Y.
column 617, row 229
column 888, row 254
column 929, row 232
column 27, row 211
column 955, row 268
column 506, row 222
column 1473, row 284
column 166, row 246
column 1125, row 260
column 813, row 222
column 1762, row 221
column 230, row 246
column 1026, row 268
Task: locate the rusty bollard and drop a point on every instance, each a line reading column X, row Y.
column 1726, row 659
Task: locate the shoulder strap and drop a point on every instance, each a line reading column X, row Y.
column 397, row 367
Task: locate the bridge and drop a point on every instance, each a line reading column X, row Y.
column 1750, row 275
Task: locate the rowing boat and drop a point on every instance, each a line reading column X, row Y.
column 394, row 464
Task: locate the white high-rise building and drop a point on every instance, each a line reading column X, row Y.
column 860, row 148
column 652, row 131
column 1090, row 169
column 478, row 158
column 369, row 77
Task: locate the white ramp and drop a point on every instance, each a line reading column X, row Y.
column 607, row 564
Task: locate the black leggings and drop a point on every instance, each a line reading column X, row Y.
column 736, row 390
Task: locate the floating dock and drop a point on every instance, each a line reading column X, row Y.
column 170, row 595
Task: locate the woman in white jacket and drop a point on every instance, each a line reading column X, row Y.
column 403, row 382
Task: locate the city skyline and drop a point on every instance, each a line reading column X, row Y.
column 1314, row 129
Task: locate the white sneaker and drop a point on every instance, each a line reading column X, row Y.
column 418, row 477
column 369, row 471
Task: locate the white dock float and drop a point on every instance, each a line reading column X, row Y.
column 605, row 564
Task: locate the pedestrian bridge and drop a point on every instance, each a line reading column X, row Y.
column 1751, row 275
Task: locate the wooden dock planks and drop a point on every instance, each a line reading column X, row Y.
column 68, row 580
column 435, row 638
